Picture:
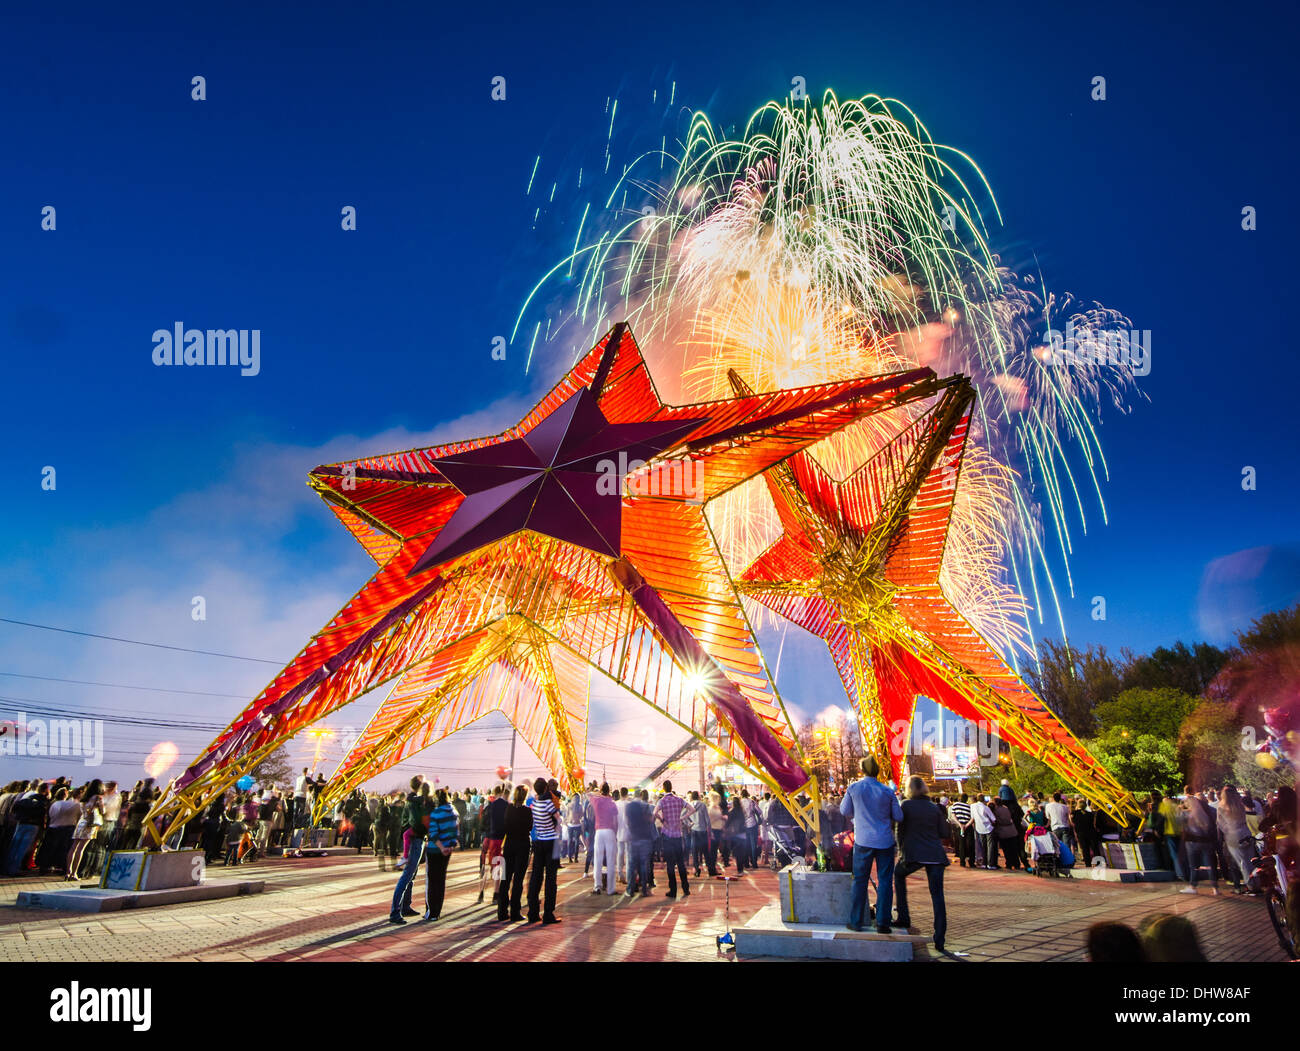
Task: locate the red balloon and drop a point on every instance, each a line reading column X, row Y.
column 580, row 773
column 501, row 773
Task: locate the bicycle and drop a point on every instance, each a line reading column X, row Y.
column 1274, row 884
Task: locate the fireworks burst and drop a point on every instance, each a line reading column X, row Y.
column 836, row 240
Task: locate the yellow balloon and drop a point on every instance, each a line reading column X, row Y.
column 1266, row 759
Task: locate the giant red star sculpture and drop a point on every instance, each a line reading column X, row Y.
column 510, row 566
column 858, row 564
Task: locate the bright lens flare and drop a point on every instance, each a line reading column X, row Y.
column 160, row 758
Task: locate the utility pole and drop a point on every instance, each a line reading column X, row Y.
column 700, row 752
column 513, row 735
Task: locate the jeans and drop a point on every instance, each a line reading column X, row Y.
column 1175, row 856
column 54, row 848
column 990, row 842
column 740, row 851
column 512, row 888
column 542, row 871
column 638, row 866
column 23, row 838
column 1242, row 857
column 606, row 851
column 1066, row 835
column 435, row 882
column 675, row 860
column 863, row 859
column 934, row 875
column 1201, row 856
column 402, row 892
column 715, row 840
column 701, row 853
column 575, row 837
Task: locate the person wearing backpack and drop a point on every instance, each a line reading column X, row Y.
column 29, row 813
column 418, row 809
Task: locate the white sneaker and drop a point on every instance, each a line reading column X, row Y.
column 1188, row 890
column 1216, row 891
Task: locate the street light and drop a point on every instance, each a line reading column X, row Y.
column 320, row 734
column 822, row 750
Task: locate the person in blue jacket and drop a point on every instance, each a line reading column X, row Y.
column 873, row 809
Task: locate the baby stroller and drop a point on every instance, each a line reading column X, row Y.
column 784, row 852
column 1045, row 853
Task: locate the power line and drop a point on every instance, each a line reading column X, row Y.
column 138, row 642
column 124, row 686
column 46, row 709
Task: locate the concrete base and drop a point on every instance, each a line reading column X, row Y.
column 316, row 852
column 151, row 869
column 95, row 899
column 815, row 897
column 1129, row 875
column 767, row 934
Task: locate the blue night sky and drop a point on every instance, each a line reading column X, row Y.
column 226, row 213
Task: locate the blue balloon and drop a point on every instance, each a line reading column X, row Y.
column 245, row 783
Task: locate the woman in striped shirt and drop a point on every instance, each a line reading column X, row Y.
column 546, row 834
column 442, row 841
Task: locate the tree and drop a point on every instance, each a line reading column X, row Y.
column 1246, row 773
column 833, row 748
column 1272, row 631
column 1209, row 744
column 1264, row 673
column 1028, row 774
column 1159, row 711
column 1140, row 762
column 1188, row 670
column 1072, row 682
column 275, row 769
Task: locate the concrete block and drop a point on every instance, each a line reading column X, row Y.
column 815, row 897
column 151, row 869
column 768, row 934
column 97, row 899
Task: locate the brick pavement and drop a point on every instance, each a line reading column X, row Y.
column 336, row 909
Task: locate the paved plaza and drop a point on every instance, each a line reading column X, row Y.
column 336, row 908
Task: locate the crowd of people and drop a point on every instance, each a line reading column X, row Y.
column 58, row 827
column 524, row 834
column 1220, row 832
column 1199, row 835
column 528, row 832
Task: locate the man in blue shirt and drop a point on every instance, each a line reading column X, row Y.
column 873, row 809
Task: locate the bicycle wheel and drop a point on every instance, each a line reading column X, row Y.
column 1277, row 913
